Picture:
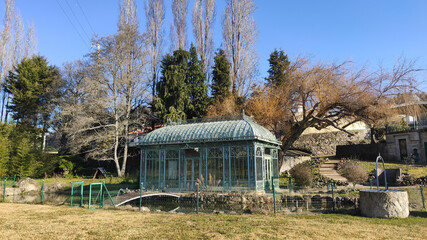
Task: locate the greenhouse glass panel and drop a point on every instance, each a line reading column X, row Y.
column 239, row 167
column 251, row 166
column 172, row 158
column 215, row 167
column 152, row 180
column 259, row 169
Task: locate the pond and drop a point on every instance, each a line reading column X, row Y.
column 184, row 205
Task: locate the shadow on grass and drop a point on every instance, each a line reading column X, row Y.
column 422, row 214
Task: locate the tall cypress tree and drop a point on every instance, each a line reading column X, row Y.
column 221, row 82
column 198, row 89
column 181, row 91
column 172, row 90
column 279, row 66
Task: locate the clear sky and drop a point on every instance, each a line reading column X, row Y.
column 368, row 32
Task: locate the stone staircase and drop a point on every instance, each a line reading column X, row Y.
column 329, row 170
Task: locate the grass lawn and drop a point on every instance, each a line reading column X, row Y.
column 416, row 171
column 66, row 181
column 26, row 221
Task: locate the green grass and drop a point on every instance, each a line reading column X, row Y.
column 45, row 222
column 416, row 171
column 66, row 181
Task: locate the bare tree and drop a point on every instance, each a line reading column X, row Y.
column 6, row 55
column 179, row 10
column 203, row 19
column 72, row 110
column 30, row 44
column 384, row 88
column 239, row 35
column 14, row 46
column 155, row 15
column 115, row 88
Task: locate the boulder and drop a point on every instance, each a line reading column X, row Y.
column 145, row 209
column 28, row 185
column 384, row 203
column 54, row 188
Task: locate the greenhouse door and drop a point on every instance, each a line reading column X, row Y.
column 191, row 172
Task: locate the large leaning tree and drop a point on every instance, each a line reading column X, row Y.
column 321, row 95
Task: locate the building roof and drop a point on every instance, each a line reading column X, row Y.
column 233, row 128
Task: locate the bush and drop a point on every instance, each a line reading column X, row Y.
column 355, row 173
column 409, row 180
column 302, row 174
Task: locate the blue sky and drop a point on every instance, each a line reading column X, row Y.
column 368, row 32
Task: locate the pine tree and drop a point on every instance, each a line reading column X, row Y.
column 279, row 66
column 197, row 87
column 221, row 82
column 30, row 85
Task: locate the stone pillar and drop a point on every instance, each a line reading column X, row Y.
column 384, row 204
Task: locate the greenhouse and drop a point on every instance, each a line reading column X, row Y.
column 219, row 154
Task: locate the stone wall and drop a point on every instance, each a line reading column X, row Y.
column 324, row 144
column 290, row 161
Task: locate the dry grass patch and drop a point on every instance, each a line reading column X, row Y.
column 414, row 170
column 23, row 221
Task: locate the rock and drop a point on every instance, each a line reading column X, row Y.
column 384, row 204
column 247, row 211
column 54, row 188
column 145, row 209
column 28, row 185
column 12, row 191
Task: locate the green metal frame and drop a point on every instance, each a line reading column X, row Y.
column 9, row 178
column 101, row 193
column 4, row 190
column 72, row 193
column 42, row 193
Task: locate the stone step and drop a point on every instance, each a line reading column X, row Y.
column 328, row 172
column 337, row 178
column 332, row 161
column 327, row 169
column 329, row 165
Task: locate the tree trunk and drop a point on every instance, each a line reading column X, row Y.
column 288, row 142
column 373, row 135
column 116, row 148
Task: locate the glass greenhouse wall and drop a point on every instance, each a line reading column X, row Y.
column 219, row 163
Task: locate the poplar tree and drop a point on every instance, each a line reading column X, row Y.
column 239, row 33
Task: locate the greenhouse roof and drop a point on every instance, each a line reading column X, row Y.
column 232, row 128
